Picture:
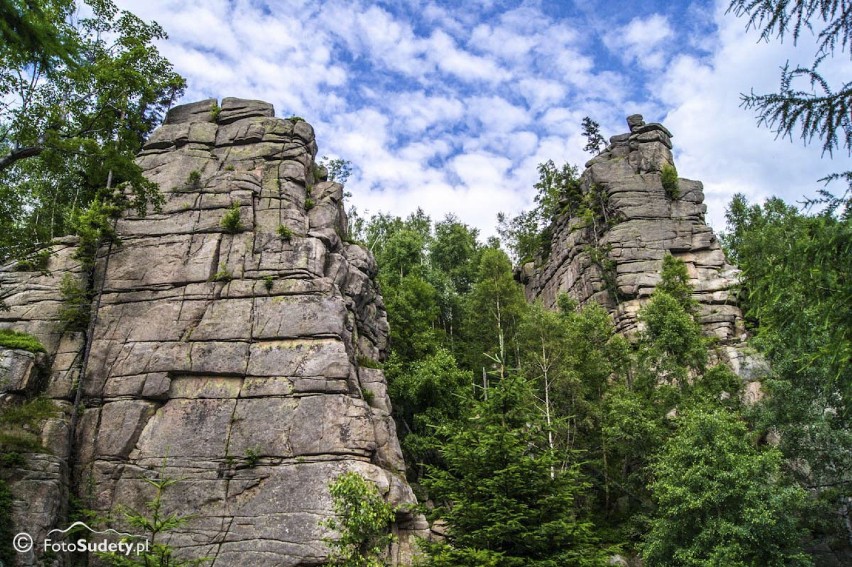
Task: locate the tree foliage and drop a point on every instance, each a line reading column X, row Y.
column 557, row 191
column 817, row 110
column 155, row 523
column 595, row 142
column 362, row 522
column 28, row 32
column 70, row 127
column 721, row 500
column 797, row 293
column 504, row 495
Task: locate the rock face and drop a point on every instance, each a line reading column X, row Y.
column 39, row 480
column 616, row 259
column 227, row 347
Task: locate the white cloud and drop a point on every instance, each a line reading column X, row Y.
column 448, row 109
column 644, row 41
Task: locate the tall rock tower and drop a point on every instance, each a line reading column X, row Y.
column 232, row 348
column 616, row 259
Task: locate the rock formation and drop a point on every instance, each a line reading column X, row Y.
column 616, row 258
column 231, row 337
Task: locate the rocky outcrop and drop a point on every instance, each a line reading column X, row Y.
column 227, row 346
column 614, row 256
column 37, row 459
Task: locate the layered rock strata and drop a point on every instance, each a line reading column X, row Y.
column 230, row 343
column 616, row 259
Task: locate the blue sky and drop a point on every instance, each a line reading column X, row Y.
column 449, row 106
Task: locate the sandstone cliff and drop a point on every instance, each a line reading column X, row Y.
column 228, row 348
column 616, row 258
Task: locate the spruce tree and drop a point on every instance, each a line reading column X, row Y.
column 506, row 498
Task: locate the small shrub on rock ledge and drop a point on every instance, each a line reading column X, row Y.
column 223, row 275
column 284, row 232
column 194, row 179
column 367, row 362
column 19, row 340
column 668, row 177
column 231, row 221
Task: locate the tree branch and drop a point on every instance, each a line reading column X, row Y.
column 19, row 154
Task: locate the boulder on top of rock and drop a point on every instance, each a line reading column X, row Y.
column 201, row 111
column 234, row 109
column 635, row 121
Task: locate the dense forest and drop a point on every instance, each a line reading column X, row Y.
column 533, row 437
column 545, row 438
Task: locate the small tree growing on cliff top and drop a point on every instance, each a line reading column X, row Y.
column 595, row 141
column 362, row 521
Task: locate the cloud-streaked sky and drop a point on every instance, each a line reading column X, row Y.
column 449, row 105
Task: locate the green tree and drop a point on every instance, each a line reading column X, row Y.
column 338, row 169
column 674, row 280
column 558, row 191
column 426, row 395
column 154, row 523
column 413, row 310
column 69, row 131
column 504, row 495
column 29, row 33
column 455, row 251
column 797, row 292
column 493, row 311
column 362, row 522
column 721, row 500
column 672, row 336
column 595, row 142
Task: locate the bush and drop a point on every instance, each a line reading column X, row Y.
column 215, row 111
column 668, row 177
column 12, row 459
column 231, row 220
column 94, row 226
column 267, row 282
column 309, row 204
column 362, row 520
column 75, row 311
column 295, row 119
column 223, row 275
column 722, row 500
column 367, row 362
column 252, row 456
column 194, row 180
column 284, row 232
column 20, row 340
column 35, row 262
column 21, row 424
column 8, row 556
